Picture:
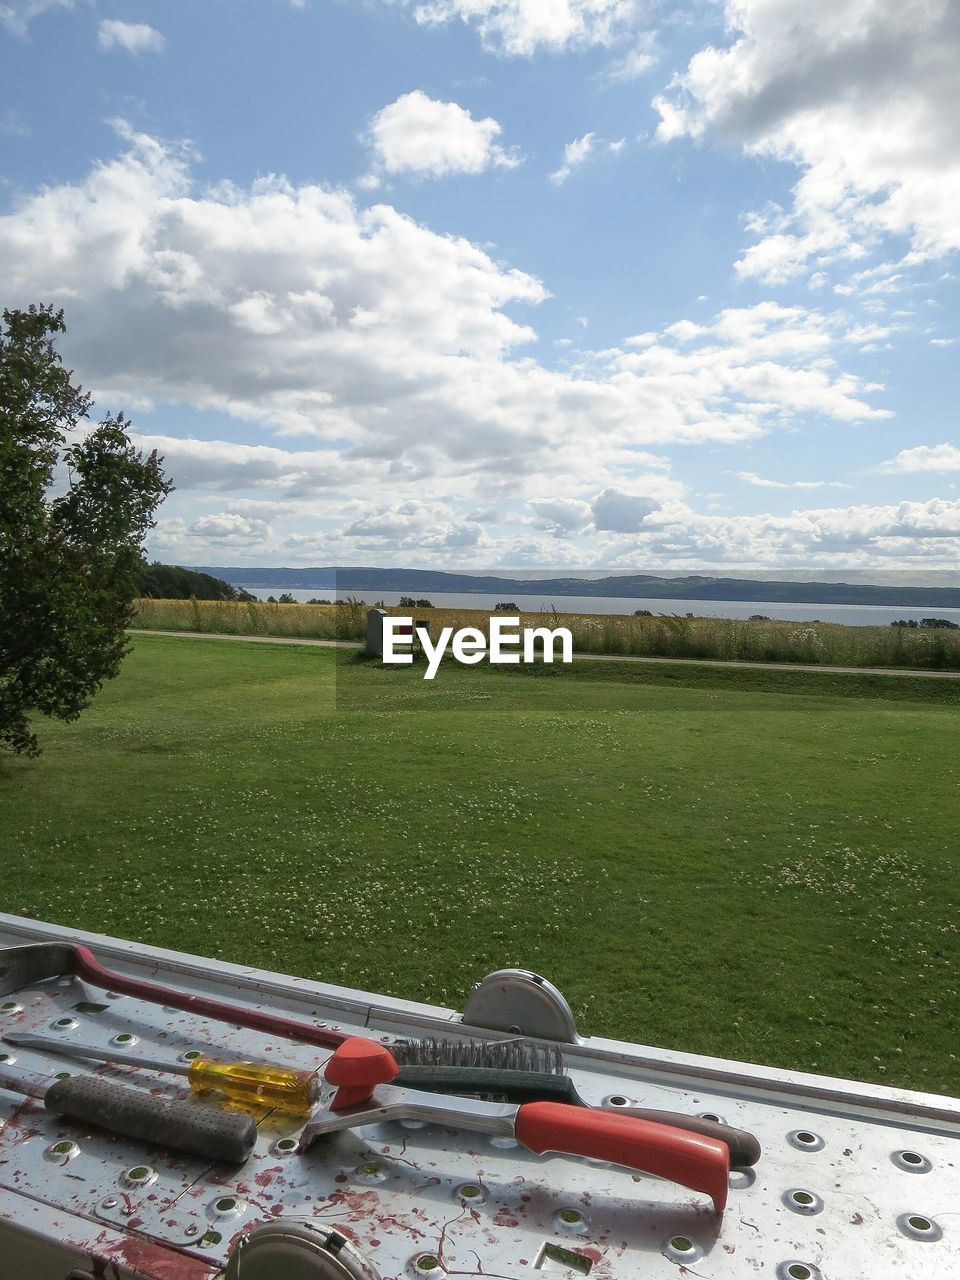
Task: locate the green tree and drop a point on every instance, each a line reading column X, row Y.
column 173, row 582
column 72, row 521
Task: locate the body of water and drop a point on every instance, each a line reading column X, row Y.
column 850, row 615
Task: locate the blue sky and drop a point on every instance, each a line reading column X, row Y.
column 506, row 283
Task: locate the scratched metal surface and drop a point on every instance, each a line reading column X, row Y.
column 835, row 1202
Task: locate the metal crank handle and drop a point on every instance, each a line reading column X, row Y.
column 691, row 1159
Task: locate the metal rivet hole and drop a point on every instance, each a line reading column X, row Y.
column 805, row 1140
column 911, row 1161
column 798, row 1271
column 919, row 1227
column 800, row 1200
column 681, row 1249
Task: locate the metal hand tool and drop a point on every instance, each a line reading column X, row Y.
column 518, row 1085
column 260, row 1084
column 22, row 966
column 180, row 1124
column 362, row 1072
column 297, row 1091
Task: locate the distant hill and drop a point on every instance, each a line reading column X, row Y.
column 172, row 582
column 636, row 586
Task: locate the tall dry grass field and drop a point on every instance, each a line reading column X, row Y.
column 666, row 636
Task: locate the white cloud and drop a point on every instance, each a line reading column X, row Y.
column 761, row 482
column 17, row 15
column 767, row 354
column 522, row 27
column 291, row 307
column 925, row 457
column 942, row 342
column 566, row 514
column 133, row 37
column 579, row 150
column 684, row 330
column 861, row 95
column 418, row 135
column 903, row 535
column 414, row 525
column 642, row 58
column 223, row 466
column 229, row 527
column 574, row 153
column 622, row 512
column 639, row 533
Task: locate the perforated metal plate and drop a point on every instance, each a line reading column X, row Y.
column 854, row 1181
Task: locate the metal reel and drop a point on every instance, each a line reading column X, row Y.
column 522, row 1002
column 297, row 1251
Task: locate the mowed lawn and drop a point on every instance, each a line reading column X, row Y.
column 752, row 865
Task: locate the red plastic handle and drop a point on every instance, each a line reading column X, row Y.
column 693, row 1160
column 358, row 1066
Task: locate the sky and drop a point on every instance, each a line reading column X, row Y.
column 506, row 284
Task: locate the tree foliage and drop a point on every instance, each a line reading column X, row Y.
column 72, row 521
column 172, row 582
column 927, row 624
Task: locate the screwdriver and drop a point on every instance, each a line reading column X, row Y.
column 261, row 1084
column 180, row 1124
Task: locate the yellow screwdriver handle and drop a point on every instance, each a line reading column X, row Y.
column 256, row 1083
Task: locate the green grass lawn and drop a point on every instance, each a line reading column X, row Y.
column 759, row 865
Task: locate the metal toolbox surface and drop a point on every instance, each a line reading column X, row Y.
column 855, row 1181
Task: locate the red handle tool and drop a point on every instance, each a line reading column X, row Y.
column 22, row 966
column 692, row 1160
column 362, row 1071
